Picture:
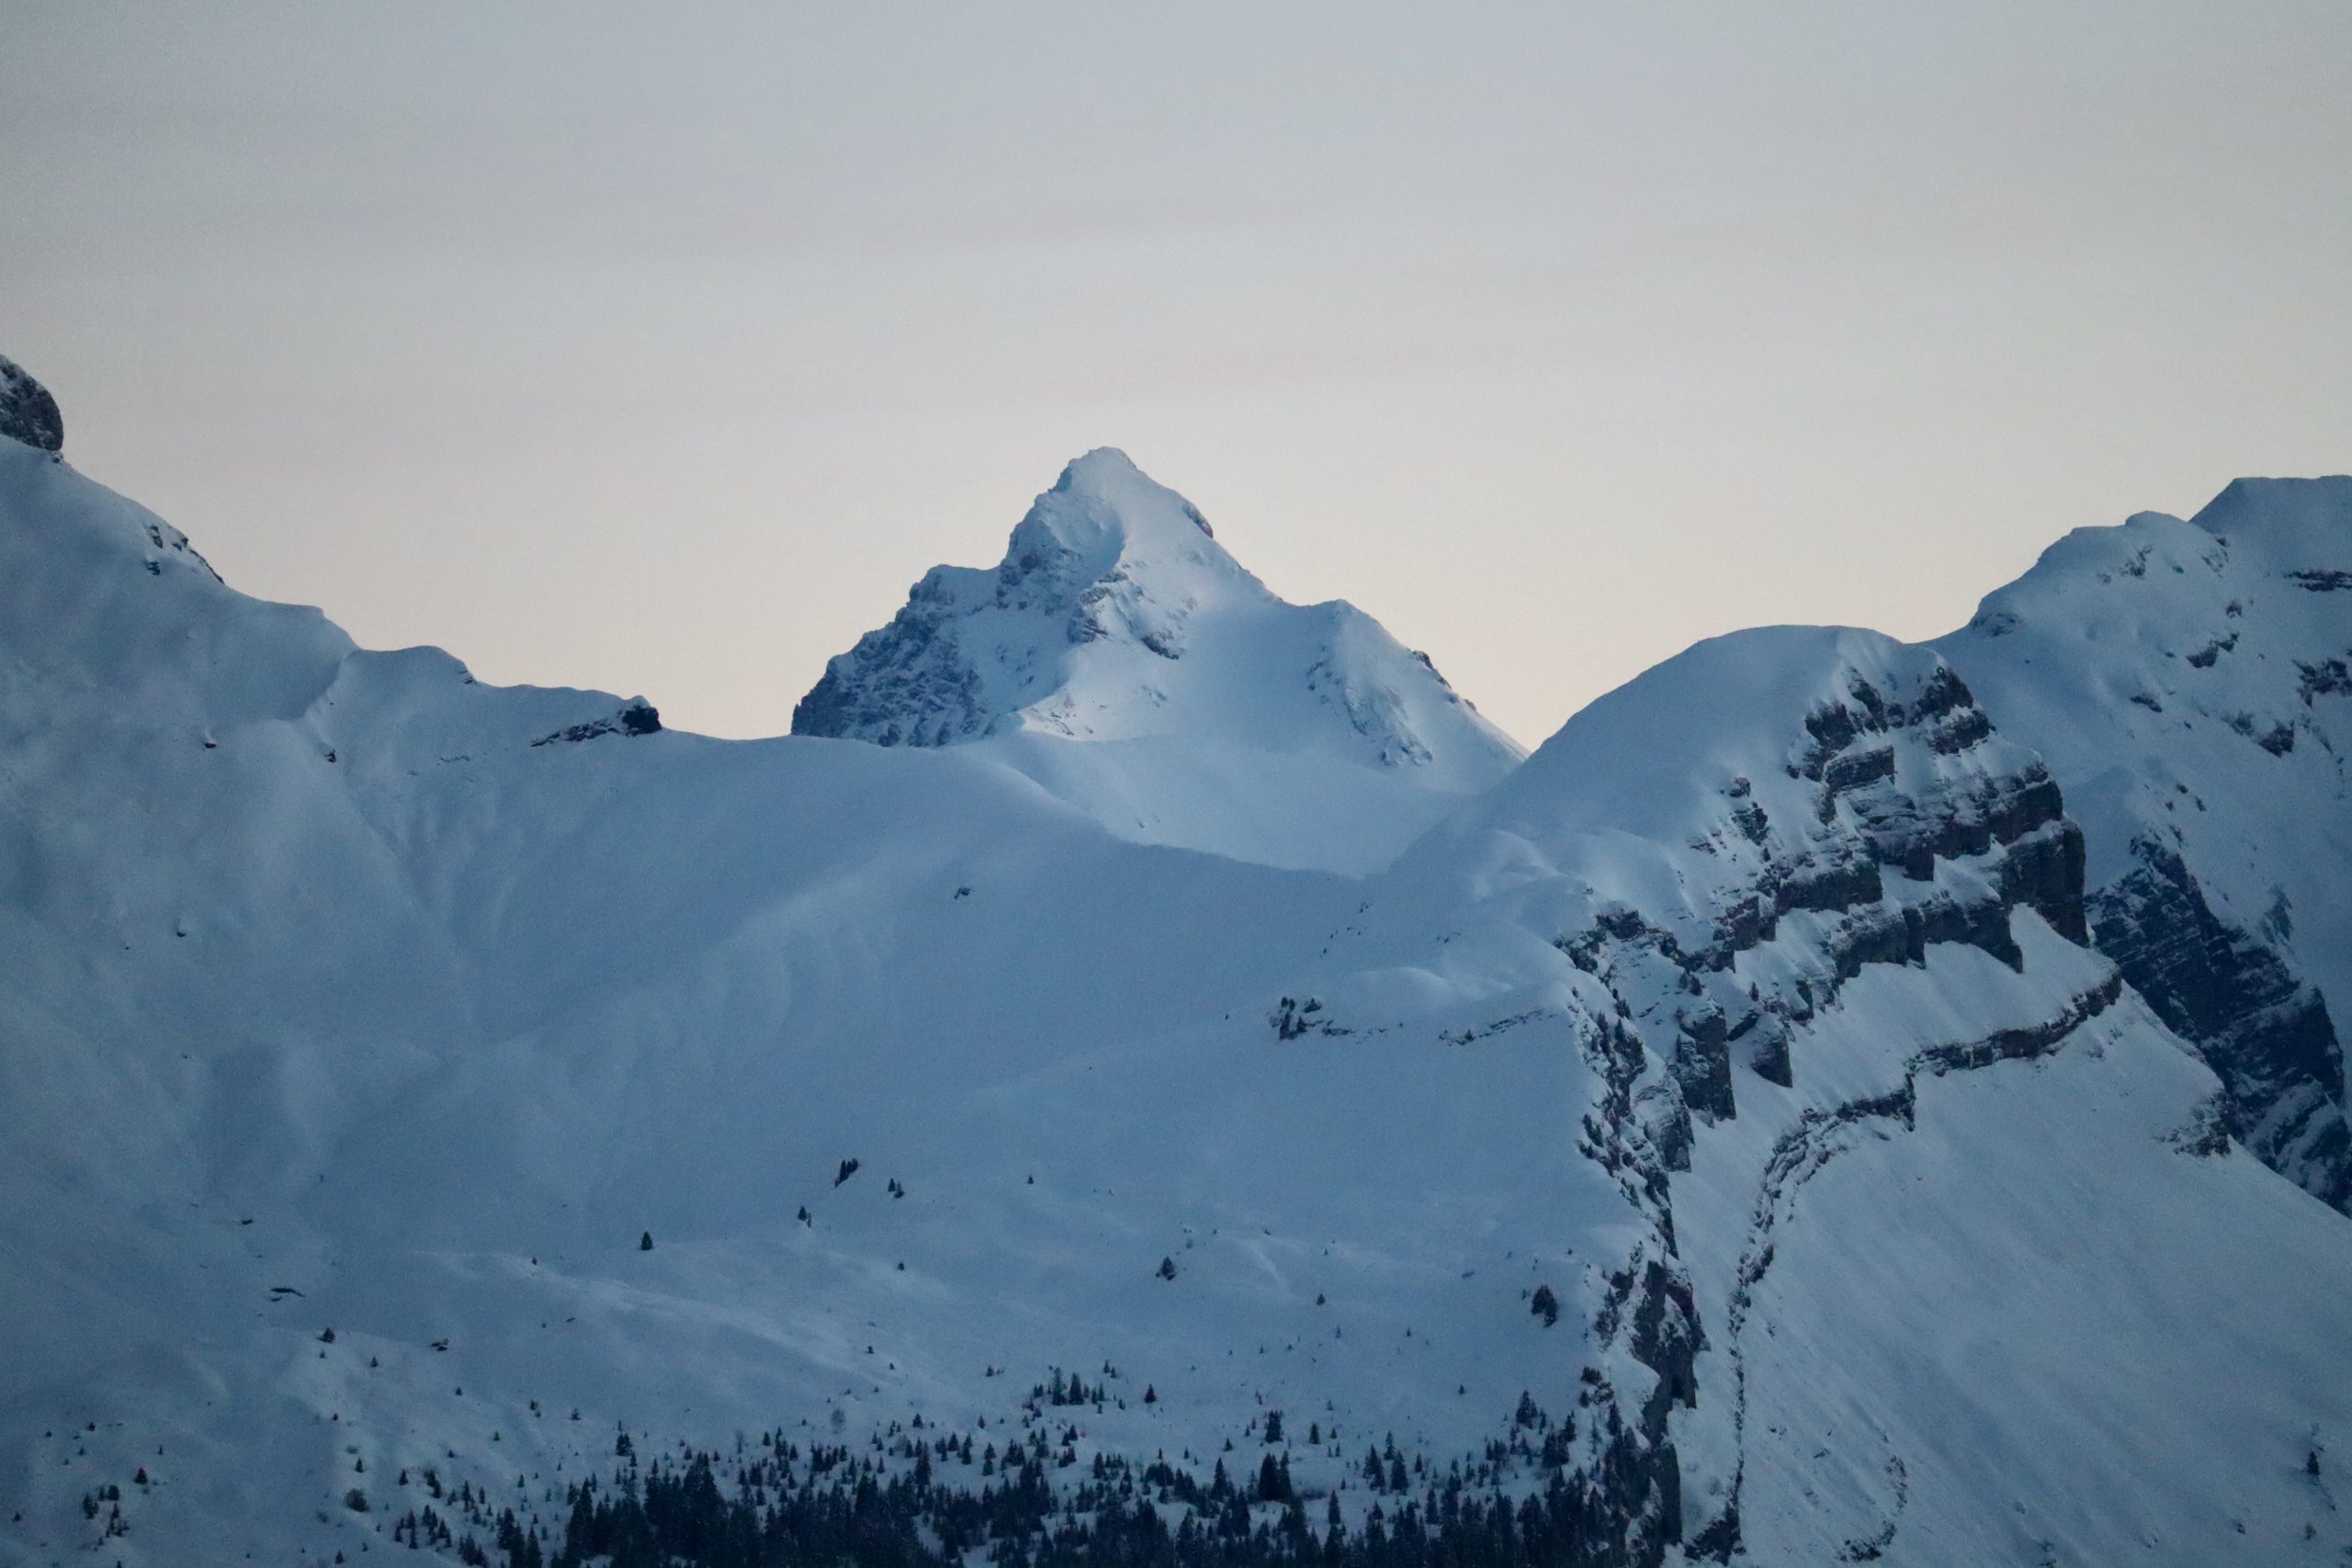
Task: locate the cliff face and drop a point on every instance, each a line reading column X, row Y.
column 2264, row 1030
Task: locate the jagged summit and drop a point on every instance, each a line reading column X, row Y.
column 1107, row 555
column 27, row 413
column 1116, row 616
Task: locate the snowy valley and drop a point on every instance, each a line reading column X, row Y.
column 1145, row 1072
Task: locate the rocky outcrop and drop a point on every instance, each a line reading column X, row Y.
column 2265, row 1032
column 1649, row 1310
column 904, row 684
column 1996, row 815
column 27, row 413
column 637, row 718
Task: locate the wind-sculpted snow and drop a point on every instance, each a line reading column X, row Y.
column 421, row 1101
column 1235, row 722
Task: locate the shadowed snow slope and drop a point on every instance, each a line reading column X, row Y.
column 1732, row 1080
column 1122, row 660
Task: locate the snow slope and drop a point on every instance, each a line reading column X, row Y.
column 1749, row 1022
column 1121, row 658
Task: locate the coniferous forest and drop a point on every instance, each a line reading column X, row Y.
column 931, row 1498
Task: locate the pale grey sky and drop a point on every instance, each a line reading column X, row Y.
column 660, row 349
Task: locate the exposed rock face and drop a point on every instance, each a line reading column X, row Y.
column 1862, row 863
column 637, row 717
column 2264, row 1030
column 905, row 684
column 27, row 413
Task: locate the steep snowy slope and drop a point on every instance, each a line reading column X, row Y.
column 2187, row 683
column 1121, row 658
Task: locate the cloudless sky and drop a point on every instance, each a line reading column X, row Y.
column 659, row 348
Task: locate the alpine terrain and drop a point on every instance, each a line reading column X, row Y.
column 1120, row 658
column 1145, row 1074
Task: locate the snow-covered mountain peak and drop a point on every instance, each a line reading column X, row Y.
column 2185, row 681
column 1108, row 536
column 1115, row 617
column 28, row 412
column 1104, row 491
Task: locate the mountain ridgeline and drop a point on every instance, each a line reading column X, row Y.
column 1146, row 1073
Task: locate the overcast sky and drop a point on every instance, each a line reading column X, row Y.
column 659, row 349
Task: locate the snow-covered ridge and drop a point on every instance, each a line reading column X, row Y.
column 1116, row 617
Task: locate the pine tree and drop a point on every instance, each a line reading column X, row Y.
column 645, row 1242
